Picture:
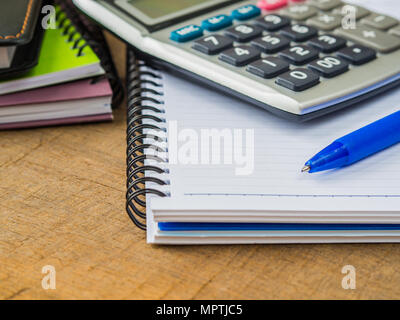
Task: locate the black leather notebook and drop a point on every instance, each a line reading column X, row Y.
column 21, row 35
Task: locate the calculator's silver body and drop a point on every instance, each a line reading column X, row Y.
column 330, row 94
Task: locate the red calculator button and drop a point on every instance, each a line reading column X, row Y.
column 271, row 4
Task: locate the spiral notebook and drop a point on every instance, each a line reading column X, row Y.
column 93, row 35
column 187, row 203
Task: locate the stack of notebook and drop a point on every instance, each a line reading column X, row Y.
column 204, row 168
column 68, row 84
column 250, row 189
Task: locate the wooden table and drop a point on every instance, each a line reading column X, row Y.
column 62, row 204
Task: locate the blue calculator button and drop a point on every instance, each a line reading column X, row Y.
column 246, row 12
column 187, row 33
column 217, row 22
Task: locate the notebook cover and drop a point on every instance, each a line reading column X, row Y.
column 27, row 53
column 62, row 49
column 201, row 226
column 57, row 122
column 82, row 89
column 18, row 21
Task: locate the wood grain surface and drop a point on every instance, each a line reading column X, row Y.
column 62, row 204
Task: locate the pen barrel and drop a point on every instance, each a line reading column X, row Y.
column 372, row 138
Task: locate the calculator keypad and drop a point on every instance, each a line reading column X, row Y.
column 271, row 4
column 298, row 79
column 329, row 66
column 375, row 39
column 297, row 45
column 357, row 54
column 268, row 67
column 216, row 23
column 272, row 22
column 300, row 12
column 212, row 44
column 299, row 32
column 327, row 43
column 360, row 12
column 246, row 12
column 300, row 54
column 395, row 31
column 379, row 21
column 325, row 21
column 325, row 4
column 240, row 55
column 243, row 32
column 271, row 43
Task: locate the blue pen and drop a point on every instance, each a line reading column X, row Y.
column 357, row 145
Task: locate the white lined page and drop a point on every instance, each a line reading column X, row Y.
column 280, row 148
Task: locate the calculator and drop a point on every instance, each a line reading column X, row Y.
column 297, row 59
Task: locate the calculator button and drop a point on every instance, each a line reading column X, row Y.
column 325, row 21
column 357, row 54
column 212, row 44
column 325, row 4
column 300, row 54
column 272, row 22
column 240, row 56
column 329, row 67
column 300, row 12
column 268, row 67
column 246, row 12
column 271, row 43
column 327, row 43
column 299, row 32
column 187, row 33
column 359, row 11
column 217, row 22
column 298, row 79
column 377, row 40
column 379, row 21
column 243, row 32
column 271, row 4
column 395, row 31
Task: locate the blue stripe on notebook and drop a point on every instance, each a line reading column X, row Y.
column 187, row 226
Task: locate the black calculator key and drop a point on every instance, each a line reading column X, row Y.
column 329, row 66
column 243, row 32
column 327, row 43
column 357, row 54
column 298, row 79
column 269, row 67
column 212, row 44
column 299, row 54
column 240, row 56
column 271, row 43
column 272, row 22
column 299, row 32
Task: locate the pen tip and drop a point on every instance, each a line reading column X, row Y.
column 306, row 169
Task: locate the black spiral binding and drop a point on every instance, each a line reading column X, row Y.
column 135, row 154
column 82, row 32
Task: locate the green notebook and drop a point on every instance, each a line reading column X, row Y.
column 65, row 56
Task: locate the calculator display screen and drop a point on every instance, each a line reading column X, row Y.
column 158, row 14
column 156, row 8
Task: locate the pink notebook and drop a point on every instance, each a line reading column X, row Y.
column 74, row 102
